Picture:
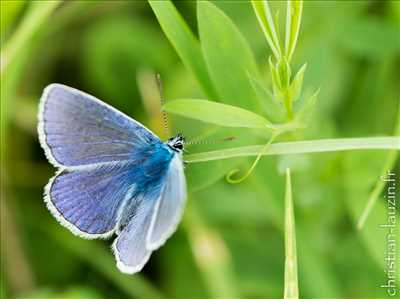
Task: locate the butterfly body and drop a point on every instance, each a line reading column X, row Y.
column 115, row 176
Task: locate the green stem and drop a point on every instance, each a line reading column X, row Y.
column 389, row 164
column 300, row 147
column 248, row 173
column 380, row 184
column 288, row 105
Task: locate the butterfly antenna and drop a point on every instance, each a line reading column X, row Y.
column 162, row 102
column 230, row 138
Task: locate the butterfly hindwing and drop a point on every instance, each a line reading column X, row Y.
column 130, row 246
column 169, row 208
column 78, row 129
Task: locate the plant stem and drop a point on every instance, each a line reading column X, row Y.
column 300, row 147
column 291, row 289
column 288, row 105
column 380, row 184
column 230, row 175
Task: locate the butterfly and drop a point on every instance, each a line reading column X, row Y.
column 115, row 177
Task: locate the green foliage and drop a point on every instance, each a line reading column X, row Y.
column 222, row 44
column 216, row 113
column 183, row 41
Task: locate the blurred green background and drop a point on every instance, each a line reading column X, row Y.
column 230, row 243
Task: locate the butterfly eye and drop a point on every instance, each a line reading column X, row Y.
column 178, row 145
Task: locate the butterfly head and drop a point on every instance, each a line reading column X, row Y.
column 177, row 143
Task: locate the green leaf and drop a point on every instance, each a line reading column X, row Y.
column 297, row 83
column 217, row 113
column 274, row 110
column 284, row 72
column 228, row 56
column 291, row 289
column 293, row 20
column 304, row 115
column 264, row 16
column 276, row 81
column 184, row 42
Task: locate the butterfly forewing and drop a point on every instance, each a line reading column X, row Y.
column 77, row 129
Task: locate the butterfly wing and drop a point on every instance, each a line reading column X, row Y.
column 78, row 129
column 98, row 150
column 154, row 219
column 89, row 201
column 115, row 176
column 130, row 246
column 169, row 208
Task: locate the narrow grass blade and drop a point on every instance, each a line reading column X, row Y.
column 300, row 147
column 184, row 42
column 291, row 290
column 217, row 113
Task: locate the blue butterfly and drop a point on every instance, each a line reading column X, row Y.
column 115, row 176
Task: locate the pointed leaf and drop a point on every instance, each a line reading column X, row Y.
column 291, row 290
column 264, row 16
column 306, row 111
column 228, row 56
column 293, row 20
column 297, row 83
column 184, row 42
column 284, row 72
column 276, row 82
column 274, row 110
column 217, row 113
